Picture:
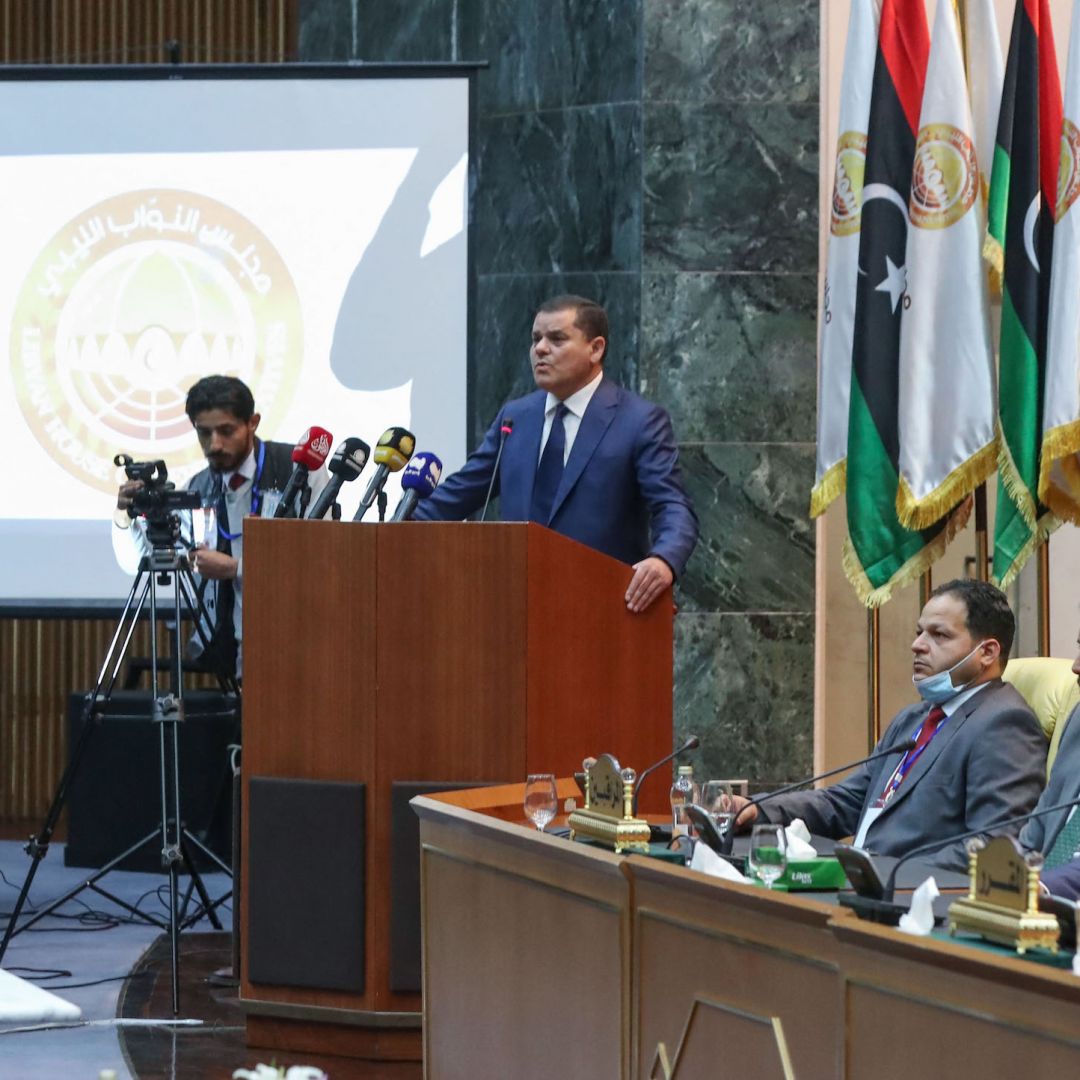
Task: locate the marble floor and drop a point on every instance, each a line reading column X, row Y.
column 118, row 972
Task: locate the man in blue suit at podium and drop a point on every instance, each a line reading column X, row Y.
column 582, row 456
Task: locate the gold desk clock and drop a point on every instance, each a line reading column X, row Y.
column 608, row 815
column 1002, row 903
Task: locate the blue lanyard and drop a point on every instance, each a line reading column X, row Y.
column 256, row 494
column 906, row 762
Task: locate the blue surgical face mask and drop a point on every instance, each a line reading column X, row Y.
column 937, row 689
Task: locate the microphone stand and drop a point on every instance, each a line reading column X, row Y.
column 729, row 833
column 504, row 433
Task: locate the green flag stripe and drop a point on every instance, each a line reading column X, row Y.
column 883, row 544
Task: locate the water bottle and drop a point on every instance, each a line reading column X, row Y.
column 682, row 794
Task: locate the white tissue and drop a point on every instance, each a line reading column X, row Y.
column 708, row 862
column 798, row 842
column 919, row 919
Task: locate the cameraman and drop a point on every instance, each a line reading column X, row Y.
column 244, row 476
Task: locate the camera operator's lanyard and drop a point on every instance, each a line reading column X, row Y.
column 256, row 495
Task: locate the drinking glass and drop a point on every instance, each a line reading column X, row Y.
column 718, row 801
column 541, row 801
column 768, row 853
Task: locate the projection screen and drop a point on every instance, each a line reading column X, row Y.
column 307, row 233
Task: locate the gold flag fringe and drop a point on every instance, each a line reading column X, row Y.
column 1045, row 526
column 994, row 254
column 1061, row 444
column 962, row 481
column 912, row 570
column 1014, row 484
column 831, row 486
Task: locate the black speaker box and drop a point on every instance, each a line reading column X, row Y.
column 115, row 795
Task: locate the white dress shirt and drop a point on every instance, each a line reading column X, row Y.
column 576, row 405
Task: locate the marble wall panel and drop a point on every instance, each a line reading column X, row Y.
column 744, row 683
column 326, row 30
column 729, row 50
column 732, row 356
column 756, row 551
column 730, row 187
column 550, row 54
column 556, row 191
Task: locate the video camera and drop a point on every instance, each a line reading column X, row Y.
column 157, row 499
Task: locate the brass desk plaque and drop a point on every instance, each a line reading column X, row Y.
column 1002, row 903
column 608, row 815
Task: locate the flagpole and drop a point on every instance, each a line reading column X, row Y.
column 982, row 550
column 873, row 685
column 1044, row 598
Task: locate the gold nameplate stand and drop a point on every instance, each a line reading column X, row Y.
column 608, row 815
column 1002, row 903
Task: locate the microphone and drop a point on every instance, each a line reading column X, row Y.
column 309, row 453
column 418, row 481
column 900, row 748
column 392, row 452
column 692, row 743
column 504, row 433
column 346, row 463
column 925, row 849
column 729, row 835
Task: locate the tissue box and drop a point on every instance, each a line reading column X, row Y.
column 803, row 874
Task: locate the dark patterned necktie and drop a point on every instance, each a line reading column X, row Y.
column 549, row 471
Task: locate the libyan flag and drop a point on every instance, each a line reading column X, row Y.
column 1020, row 224
column 881, row 554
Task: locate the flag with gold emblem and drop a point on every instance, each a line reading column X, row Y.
column 1059, row 470
column 947, row 402
column 842, row 260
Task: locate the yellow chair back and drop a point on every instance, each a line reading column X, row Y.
column 1050, row 688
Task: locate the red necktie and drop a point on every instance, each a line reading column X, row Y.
column 929, row 726
column 237, row 481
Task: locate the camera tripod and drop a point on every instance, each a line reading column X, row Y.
column 165, row 565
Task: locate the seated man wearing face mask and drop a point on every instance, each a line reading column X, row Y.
column 980, row 755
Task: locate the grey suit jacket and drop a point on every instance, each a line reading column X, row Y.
column 986, row 763
column 1040, row 833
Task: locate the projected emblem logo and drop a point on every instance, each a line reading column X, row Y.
column 130, row 303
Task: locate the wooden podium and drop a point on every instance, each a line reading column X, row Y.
column 383, row 661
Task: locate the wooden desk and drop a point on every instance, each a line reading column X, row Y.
column 539, row 953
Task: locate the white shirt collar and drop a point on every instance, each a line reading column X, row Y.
column 579, row 400
column 246, row 470
column 957, row 700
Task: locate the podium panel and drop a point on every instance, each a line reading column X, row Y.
column 429, row 652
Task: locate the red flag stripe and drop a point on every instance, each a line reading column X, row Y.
column 904, row 42
column 1050, row 107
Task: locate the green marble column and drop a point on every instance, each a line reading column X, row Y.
column 661, row 155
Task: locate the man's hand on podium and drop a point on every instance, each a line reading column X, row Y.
column 651, row 577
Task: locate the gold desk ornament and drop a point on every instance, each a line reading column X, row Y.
column 1002, row 903
column 608, row 815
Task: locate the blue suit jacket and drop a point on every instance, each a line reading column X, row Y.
column 1040, row 833
column 621, row 491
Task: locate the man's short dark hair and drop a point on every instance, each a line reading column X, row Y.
column 589, row 316
column 224, row 392
column 988, row 611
